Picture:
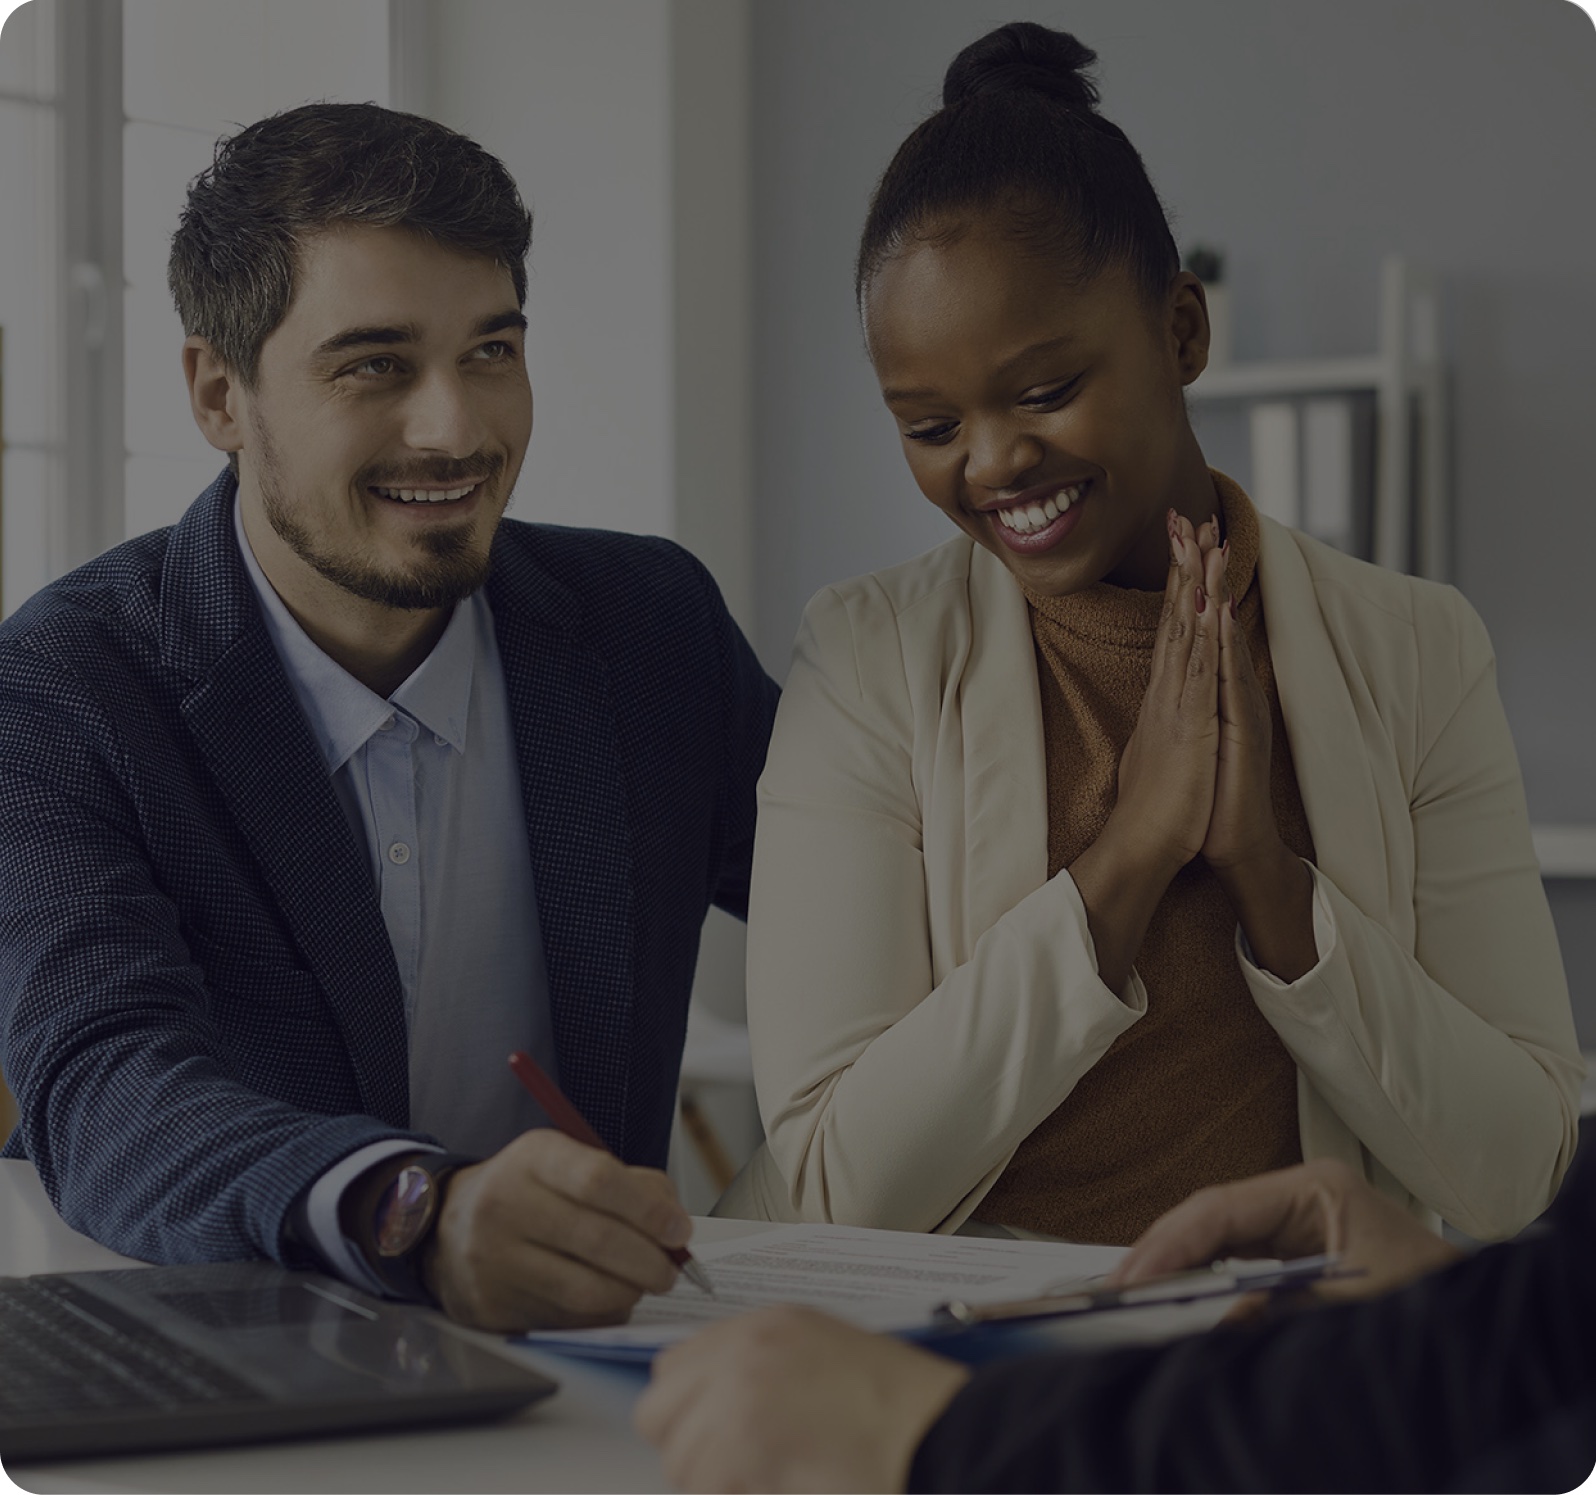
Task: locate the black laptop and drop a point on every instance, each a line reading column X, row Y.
column 171, row 1357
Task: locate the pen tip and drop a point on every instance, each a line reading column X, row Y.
column 698, row 1277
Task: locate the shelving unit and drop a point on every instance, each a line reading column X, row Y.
column 1406, row 379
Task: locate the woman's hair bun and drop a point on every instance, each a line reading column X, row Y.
column 1023, row 56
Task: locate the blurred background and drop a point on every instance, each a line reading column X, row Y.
column 1395, row 201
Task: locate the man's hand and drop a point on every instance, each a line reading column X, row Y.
column 789, row 1399
column 1315, row 1207
column 551, row 1234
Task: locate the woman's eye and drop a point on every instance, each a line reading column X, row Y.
column 1045, row 399
column 933, row 435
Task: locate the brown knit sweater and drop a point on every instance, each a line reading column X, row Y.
column 1200, row 1090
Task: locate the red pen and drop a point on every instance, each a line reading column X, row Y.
column 571, row 1121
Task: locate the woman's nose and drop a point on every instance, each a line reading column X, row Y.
column 999, row 455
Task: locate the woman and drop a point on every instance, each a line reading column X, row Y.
column 1128, row 842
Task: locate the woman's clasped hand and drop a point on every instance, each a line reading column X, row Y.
column 1194, row 777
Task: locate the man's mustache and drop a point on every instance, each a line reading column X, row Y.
column 440, row 473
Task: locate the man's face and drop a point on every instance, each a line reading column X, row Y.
column 389, row 415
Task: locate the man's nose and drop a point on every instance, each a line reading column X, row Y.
column 440, row 415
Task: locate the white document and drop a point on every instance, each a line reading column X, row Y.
column 887, row 1280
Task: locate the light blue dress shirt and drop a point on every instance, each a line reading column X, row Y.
column 429, row 783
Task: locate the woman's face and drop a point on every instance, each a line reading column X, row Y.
column 1044, row 419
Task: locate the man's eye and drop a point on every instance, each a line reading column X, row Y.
column 497, row 352
column 380, row 366
column 933, row 435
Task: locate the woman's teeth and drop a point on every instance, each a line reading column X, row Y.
column 1038, row 516
column 426, row 495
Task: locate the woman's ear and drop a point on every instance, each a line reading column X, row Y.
column 1188, row 325
column 213, row 395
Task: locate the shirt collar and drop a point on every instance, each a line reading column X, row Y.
column 438, row 692
column 342, row 712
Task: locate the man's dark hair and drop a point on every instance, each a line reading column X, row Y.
column 1019, row 134
column 235, row 251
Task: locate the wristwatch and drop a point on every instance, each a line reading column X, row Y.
column 402, row 1218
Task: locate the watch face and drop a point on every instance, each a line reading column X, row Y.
column 405, row 1211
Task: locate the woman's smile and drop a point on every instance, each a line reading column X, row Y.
column 1039, row 518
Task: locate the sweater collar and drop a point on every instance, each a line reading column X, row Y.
column 1127, row 618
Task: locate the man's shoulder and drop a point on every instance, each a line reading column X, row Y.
column 96, row 612
column 590, row 560
column 601, row 583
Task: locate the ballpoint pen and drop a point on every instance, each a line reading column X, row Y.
column 569, row 1120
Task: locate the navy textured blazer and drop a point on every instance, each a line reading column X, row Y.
column 199, row 1007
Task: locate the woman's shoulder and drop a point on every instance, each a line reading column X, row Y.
column 1367, row 609
column 938, row 578
column 926, row 621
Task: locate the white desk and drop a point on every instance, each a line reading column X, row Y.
column 580, row 1439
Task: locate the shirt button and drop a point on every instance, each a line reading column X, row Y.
column 440, row 739
column 398, row 853
column 386, row 725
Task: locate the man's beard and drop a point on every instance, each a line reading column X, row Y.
column 448, row 570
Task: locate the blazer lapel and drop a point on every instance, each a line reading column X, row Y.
column 242, row 713
column 1005, row 759
column 1334, row 776
column 574, row 792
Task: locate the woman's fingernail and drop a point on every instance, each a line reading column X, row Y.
column 1224, row 550
column 1202, row 601
column 1232, row 609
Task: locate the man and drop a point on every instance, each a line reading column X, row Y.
column 317, row 805
column 1480, row 1375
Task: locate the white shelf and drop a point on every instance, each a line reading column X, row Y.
column 1405, row 377
column 1565, row 850
column 1308, row 376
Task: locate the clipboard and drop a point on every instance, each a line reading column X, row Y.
column 1220, row 1279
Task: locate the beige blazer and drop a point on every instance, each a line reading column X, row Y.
column 921, row 995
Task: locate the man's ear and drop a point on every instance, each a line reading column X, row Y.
column 1188, row 325
column 213, row 395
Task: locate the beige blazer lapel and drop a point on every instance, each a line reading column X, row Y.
column 1002, row 801
column 1336, row 778
column 1346, row 806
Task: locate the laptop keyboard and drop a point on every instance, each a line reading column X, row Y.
column 59, row 1357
